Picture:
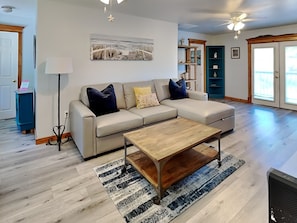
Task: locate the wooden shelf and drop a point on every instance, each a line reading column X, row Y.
column 177, row 167
column 190, row 65
column 215, row 86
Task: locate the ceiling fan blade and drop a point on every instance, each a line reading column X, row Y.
column 242, row 16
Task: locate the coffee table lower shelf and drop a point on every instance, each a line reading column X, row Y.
column 177, row 168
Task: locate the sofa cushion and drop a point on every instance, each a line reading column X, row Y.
column 205, row 112
column 121, row 121
column 178, row 90
column 102, row 102
column 147, row 100
column 118, row 90
column 129, row 91
column 162, row 88
column 152, row 115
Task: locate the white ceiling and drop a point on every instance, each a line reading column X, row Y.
column 203, row 16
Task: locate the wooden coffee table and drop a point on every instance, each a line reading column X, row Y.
column 169, row 151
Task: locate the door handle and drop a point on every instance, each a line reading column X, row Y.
column 276, row 74
column 14, row 81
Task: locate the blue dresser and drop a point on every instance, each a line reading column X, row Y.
column 25, row 110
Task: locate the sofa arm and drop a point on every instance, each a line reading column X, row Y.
column 83, row 128
column 197, row 95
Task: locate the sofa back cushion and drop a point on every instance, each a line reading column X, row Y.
column 118, row 90
column 129, row 91
column 162, row 88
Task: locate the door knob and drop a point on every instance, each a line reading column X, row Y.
column 14, row 81
column 276, row 74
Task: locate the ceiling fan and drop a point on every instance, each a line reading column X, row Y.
column 109, row 2
column 236, row 23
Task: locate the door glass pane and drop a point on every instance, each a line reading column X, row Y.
column 264, row 74
column 291, row 74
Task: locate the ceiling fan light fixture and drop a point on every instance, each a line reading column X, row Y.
column 107, row 2
column 230, row 26
column 238, row 26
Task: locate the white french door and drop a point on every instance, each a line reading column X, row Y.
column 288, row 79
column 274, row 74
column 265, row 74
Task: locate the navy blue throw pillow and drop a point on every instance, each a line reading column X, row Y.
column 177, row 89
column 102, row 102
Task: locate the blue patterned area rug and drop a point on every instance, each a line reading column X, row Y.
column 133, row 195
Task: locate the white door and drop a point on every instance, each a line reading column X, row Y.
column 274, row 74
column 8, row 73
column 265, row 74
column 288, row 79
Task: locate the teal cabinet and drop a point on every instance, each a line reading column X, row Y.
column 215, row 71
column 25, row 110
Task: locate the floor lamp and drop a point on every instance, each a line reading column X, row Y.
column 58, row 66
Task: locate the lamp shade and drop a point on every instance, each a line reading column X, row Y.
column 58, row 65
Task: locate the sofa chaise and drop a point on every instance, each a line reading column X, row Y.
column 95, row 135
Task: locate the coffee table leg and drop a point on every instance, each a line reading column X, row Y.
column 219, row 152
column 159, row 189
column 124, row 169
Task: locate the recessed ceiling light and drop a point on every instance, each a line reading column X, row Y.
column 7, row 8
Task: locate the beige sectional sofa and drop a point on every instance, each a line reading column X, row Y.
column 95, row 135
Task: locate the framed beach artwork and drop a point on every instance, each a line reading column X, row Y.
column 117, row 48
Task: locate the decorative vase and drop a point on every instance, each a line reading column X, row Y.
column 215, row 74
column 215, row 55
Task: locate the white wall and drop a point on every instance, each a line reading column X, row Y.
column 190, row 35
column 64, row 30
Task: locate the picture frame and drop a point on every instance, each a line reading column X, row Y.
column 120, row 48
column 235, row 52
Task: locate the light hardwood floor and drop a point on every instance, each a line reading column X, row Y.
column 40, row 184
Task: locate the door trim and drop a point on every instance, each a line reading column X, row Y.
column 19, row 30
column 201, row 42
column 263, row 39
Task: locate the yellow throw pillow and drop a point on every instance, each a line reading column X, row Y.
column 142, row 90
column 147, row 100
